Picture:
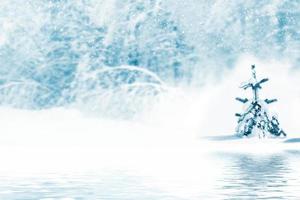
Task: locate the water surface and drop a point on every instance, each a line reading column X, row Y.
column 218, row 175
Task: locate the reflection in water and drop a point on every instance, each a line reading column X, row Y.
column 248, row 176
column 116, row 186
column 242, row 176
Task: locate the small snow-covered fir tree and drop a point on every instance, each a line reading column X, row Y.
column 256, row 120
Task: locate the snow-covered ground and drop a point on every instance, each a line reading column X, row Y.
column 62, row 154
